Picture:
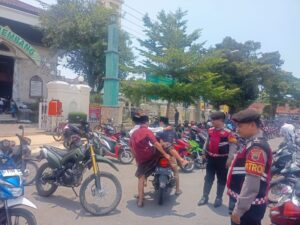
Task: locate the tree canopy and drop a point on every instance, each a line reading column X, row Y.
column 78, row 29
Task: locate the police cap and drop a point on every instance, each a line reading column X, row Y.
column 217, row 116
column 246, row 116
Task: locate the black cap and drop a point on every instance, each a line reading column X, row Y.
column 144, row 119
column 136, row 118
column 246, row 116
column 163, row 119
column 217, row 115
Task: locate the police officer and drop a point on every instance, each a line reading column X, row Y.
column 219, row 143
column 249, row 174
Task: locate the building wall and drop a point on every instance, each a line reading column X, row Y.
column 25, row 69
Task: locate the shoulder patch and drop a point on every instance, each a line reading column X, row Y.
column 255, row 162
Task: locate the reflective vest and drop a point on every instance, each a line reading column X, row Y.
column 218, row 145
column 237, row 172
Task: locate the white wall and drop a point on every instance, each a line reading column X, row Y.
column 74, row 98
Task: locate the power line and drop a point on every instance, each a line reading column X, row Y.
column 135, row 24
column 133, row 31
column 135, row 10
column 133, row 16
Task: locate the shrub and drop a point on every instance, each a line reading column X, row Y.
column 76, row 117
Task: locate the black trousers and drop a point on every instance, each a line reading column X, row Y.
column 253, row 216
column 215, row 166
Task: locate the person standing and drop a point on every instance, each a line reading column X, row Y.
column 249, row 175
column 176, row 117
column 219, row 143
column 147, row 151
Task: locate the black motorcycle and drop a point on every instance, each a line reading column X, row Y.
column 19, row 157
column 73, row 133
column 285, row 183
column 281, row 159
column 164, row 179
column 100, row 193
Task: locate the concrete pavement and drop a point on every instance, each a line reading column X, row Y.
column 64, row 207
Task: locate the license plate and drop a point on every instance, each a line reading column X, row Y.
column 161, row 170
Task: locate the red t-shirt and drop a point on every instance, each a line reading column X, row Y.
column 141, row 142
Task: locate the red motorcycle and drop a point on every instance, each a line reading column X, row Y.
column 116, row 147
column 287, row 211
column 182, row 147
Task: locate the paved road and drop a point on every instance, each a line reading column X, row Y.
column 64, row 208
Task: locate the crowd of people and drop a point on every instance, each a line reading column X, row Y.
column 248, row 163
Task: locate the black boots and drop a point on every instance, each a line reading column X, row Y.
column 203, row 200
column 218, row 202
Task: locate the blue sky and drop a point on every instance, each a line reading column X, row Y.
column 274, row 23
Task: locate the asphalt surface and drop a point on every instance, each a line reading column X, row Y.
column 65, row 208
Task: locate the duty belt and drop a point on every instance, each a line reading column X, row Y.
column 216, row 155
column 257, row 201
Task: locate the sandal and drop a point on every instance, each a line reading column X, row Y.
column 140, row 204
column 184, row 163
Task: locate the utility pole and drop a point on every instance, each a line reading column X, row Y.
column 111, row 80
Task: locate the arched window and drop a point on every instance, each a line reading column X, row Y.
column 36, row 87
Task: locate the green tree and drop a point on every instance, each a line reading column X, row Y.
column 257, row 75
column 78, row 29
column 170, row 51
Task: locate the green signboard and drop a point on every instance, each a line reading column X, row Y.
column 159, row 79
column 20, row 43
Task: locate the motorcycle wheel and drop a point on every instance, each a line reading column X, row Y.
column 19, row 216
column 125, row 156
column 277, row 190
column 200, row 163
column 99, row 197
column 161, row 195
column 190, row 167
column 30, row 172
column 39, row 183
column 58, row 134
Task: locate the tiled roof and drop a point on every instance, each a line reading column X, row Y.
column 16, row 4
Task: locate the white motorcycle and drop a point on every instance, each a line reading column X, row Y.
column 11, row 191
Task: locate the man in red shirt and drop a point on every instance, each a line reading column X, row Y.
column 147, row 151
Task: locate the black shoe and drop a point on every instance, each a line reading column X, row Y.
column 218, row 202
column 203, row 201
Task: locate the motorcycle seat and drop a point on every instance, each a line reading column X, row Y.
column 57, row 151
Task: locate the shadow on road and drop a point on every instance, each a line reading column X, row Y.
column 221, row 211
column 153, row 210
column 72, row 204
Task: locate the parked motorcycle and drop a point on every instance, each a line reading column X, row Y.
column 287, row 211
column 115, row 147
column 100, row 193
column 282, row 158
column 19, row 156
column 284, row 184
column 11, row 191
column 72, row 134
column 197, row 141
column 164, row 179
